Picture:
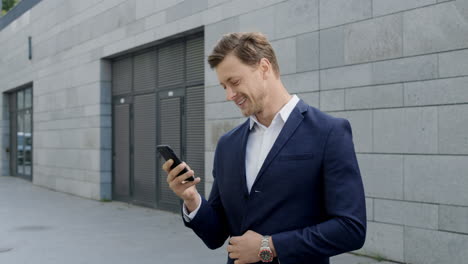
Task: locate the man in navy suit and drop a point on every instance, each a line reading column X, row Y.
column 287, row 187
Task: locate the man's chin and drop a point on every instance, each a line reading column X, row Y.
column 246, row 112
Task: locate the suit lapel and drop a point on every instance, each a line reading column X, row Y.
column 294, row 120
column 244, row 136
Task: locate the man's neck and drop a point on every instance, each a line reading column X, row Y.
column 272, row 108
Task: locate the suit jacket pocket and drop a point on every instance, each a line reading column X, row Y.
column 305, row 156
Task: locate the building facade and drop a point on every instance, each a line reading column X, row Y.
column 91, row 87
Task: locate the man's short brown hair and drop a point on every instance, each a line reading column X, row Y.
column 249, row 47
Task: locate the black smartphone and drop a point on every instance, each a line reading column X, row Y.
column 167, row 153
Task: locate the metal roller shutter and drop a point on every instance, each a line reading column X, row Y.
column 195, row 139
column 144, row 133
column 122, row 76
column 144, row 72
column 171, row 65
column 195, row 61
column 170, row 134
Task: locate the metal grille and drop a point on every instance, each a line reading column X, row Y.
column 122, row 76
column 195, row 61
column 144, row 149
column 122, row 151
column 170, row 134
column 195, row 140
column 144, row 72
column 171, row 65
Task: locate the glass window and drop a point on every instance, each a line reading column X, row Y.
column 20, row 140
column 20, row 97
column 27, row 143
column 28, row 98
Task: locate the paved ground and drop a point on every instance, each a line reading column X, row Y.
column 38, row 225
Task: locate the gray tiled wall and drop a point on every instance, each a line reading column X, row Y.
column 398, row 70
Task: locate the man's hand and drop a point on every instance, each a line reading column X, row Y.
column 184, row 189
column 244, row 249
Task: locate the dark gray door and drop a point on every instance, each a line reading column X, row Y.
column 121, row 155
column 170, row 120
column 144, row 133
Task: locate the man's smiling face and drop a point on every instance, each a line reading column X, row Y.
column 244, row 84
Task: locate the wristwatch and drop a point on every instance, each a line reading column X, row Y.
column 265, row 254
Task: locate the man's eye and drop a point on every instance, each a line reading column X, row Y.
column 236, row 83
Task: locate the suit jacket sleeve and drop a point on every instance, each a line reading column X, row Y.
column 345, row 228
column 210, row 223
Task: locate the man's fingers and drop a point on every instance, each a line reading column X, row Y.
column 172, row 174
column 167, row 165
column 233, row 255
column 189, row 184
column 233, row 240
column 229, row 248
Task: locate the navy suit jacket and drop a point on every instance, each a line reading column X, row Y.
column 308, row 194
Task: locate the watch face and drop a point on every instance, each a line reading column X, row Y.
column 266, row 255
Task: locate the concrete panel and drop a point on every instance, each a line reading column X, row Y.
column 410, row 130
column 348, row 76
column 295, row 17
column 285, row 51
column 436, row 179
column 375, row 39
column 382, row 175
column 312, row 99
column 215, row 94
column 370, row 209
column 261, row 20
column 434, row 247
column 154, row 20
column 209, row 159
column 384, row 241
column 374, row 97
column 406, row 69
column 453, row 218
column 436, row 92
column 208, row 187
column 212, row 15
column 453, row 63
column 301, row 82
column 383, row 7
column 435, row 28
column 361, row 123
column 216, row 2
column 214, row 129
column 338, row 12
column 453, row 129
column 307, row 52
column 332, row 47
column 185, row 9
column 406, row 213
column 332, row 100
column 222, row 110
column 135, row 28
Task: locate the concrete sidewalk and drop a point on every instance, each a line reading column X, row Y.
column 38, row 225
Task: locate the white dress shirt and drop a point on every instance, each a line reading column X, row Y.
column 259, row 144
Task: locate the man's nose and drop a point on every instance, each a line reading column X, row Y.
column 230, row 94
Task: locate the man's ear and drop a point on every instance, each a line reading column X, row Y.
column 265, row 67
